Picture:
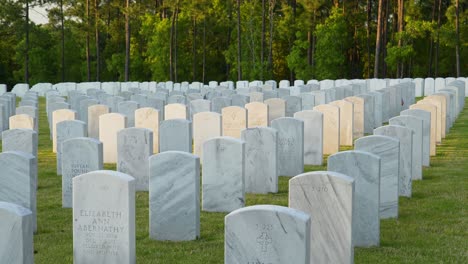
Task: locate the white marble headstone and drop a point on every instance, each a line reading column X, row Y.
column 174, row 190
column 290, row 145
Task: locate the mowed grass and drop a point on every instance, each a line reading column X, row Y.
column 432, row 226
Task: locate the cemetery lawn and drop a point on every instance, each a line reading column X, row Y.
column 432, row 226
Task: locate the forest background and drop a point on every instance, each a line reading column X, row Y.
column 202, row 40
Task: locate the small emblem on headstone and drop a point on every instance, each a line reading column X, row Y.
column 264, row 240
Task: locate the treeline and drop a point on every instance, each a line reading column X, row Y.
column 202, row 40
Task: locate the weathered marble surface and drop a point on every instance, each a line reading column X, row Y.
column 16, row 234
column 223, row 183
column 22, row 121
column 358, row 117
column 313, row 136
column 276, row 108
column 405, row 136
column 416, row 125
column 290, row 145
column 175, row 134
column 80, row 155
column 364, row 168
column 267, row 234
column 134, row 147
column 109, row 125
column 432, row 109
column 18, row 180
column 57, row 117
column 218, row 103
column 256, row 97
column 32, row 112
column 66, row 130
column 308, row 101
column 94, row 112
column 83, row 108
column 437, row 113
column 128, row 109
column 234, row 120
column 331, row 127
column 328, row 198
column 206, row 125
column 148, row 117
column 346, row 121
column 113, row 103
column 425, row 116
column 23, row 140
column 103, row 203
column 261, row 159
column 240, row 100
column 441, row 103
column 293, row 104
column 198, row 106
column 175, row 111
column 174, row 196
column 368, row 112
column 257, row 114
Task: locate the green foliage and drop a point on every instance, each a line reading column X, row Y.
column 332, row 43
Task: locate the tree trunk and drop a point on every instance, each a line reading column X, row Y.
column 88, row 60
column 26, row 53
column 401, row 8
column 229, row 32
column 457, row 29
column 369, row 15
column 378, row 39
column 270, row 51
column 127, row 42
column 239, row 48
column 385, row 38
column 96, row 27
column 171, row 48
column 436, row 70
column 194, row 49
column 175, row 41
column 431, row 47
column 262, row 49
column 204, row 50
column 62, row 33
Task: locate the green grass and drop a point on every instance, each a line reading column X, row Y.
column 432, row 226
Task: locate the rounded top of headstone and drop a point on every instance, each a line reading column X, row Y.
column 105, row 173
column 271, row 208
column 324, row 174
column 354, row 153
column 15, row 209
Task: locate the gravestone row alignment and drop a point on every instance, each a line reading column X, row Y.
column 360, row 187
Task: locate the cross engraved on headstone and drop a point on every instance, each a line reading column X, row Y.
column 264, row 240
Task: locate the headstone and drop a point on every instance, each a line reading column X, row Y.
column 261, row 155
column 276, row 108
column 128, row 109
column 293, row 105
column 80, row 155
column 313, row 136
column 378, row 108
column 218, row 103
column 22, row 121
column 290, row 145
column 174, row 192
column 23, row 140
column 267, row 234
column 134, row 147
column 364, row 168
column 358, row 112
column 331, row 127
column 83, row 112
column 240, row 100
column 234, row 120
column 405, row 136
column 57, row 117
column 109, row 125
column 432, row 109
column 308, row 101
column 113, row 103
column 175, row 135
column 94, row 112
column 368, row 112
column 256, row 97
column 149, row 118
column 257, row 114
column 175, row 111
column 223, row 182
column 66, row 130
column 346, row 121
column 426, row 132
column 206, row 125
column 436, row 113
column 328, row 198
column 199, row 105
column 18, row 180
column 103, row 204
column 16, row 229
column 416, row 125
